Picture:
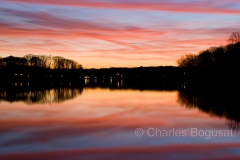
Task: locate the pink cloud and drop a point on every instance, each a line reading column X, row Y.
column 199, row 7
column 108, row 40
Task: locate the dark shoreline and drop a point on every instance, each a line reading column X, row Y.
column 216, row 99
column 168, row 74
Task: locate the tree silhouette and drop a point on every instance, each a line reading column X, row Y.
column 205, row 58
column 189, row 60
column 234, row 38
column 12, row 62
column 41, row 61
column 1, row 62
column 215, row 57
column 58, row 62
column 62, row 63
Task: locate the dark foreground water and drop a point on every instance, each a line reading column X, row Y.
column 128, row 123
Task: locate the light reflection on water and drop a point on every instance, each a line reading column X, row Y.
column 99, row 121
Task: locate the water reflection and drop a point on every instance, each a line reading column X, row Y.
column 100, row 122
column 49, row 92
column 215, row 102
column 37, row 95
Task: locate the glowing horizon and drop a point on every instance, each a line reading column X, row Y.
column 113, row 33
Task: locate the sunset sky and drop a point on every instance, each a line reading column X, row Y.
column 115, row 33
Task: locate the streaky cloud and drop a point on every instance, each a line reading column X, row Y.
column 204, row 7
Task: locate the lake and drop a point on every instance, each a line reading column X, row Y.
column 118, row 123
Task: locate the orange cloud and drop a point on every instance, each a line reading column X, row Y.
column 127, row 45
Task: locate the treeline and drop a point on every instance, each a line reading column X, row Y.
column 39, row 61
column 215, row 57
column 39, row 67
column 216, row 63
column 213, row 64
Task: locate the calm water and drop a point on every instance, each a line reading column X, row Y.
column 100, row 123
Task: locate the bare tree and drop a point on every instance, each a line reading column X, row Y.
column 189, row 60
column 38, row 60
column 58, row 62
column 234, row 38
column 62, row 63
column 28, row 57
column 11, row 61
column 79, row 66
column 46, row 61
